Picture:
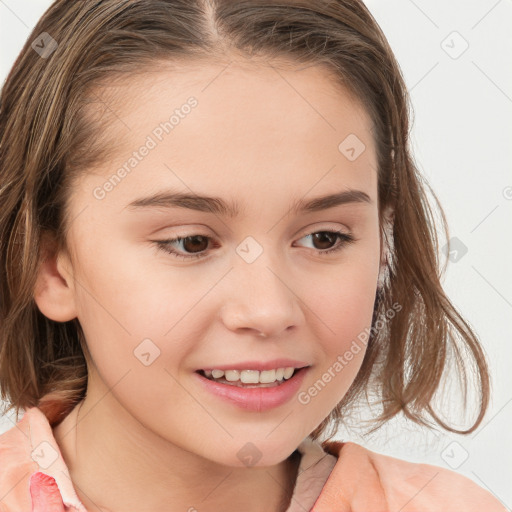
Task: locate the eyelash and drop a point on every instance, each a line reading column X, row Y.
column 165, row 244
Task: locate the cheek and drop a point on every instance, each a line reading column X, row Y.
column 346, row 305
column 136, row 361
column 128, row 291
column 341, row 307
column 347, row 310
column 140, row 319
column 342, row 295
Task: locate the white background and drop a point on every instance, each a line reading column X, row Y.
column 461, row 137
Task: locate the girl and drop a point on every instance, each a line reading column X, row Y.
column 158, row 376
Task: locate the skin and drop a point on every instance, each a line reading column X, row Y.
column 262, row 135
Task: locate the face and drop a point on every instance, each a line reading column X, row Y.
column 261, row 140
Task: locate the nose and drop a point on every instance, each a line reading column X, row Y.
column 259, row 298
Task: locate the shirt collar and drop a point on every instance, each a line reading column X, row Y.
column 46, row 453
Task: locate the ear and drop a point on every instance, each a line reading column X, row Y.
column 54, row 290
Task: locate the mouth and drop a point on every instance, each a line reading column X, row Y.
column 228, row 385
column 251, row 378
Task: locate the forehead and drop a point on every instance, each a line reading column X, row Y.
column 259, row 126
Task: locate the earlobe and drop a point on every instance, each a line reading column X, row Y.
column 53, row 291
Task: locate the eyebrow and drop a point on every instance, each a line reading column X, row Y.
column 216, row 205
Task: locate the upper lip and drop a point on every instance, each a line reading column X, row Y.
column 259, row 365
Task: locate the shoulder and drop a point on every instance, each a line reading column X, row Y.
column 403, row 485
column 15, row 466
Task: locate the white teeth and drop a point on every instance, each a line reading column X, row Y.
column 232, row 375
column 252, row 376
column 267, row 376
column 288, row 372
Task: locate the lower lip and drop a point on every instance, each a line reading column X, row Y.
column 256, row 399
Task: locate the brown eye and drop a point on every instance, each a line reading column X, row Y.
column 196, row 243
column 193, row 246
column 323, row 240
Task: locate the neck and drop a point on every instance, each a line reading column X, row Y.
column 116, row 465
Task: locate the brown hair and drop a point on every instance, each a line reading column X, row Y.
column 49, row 126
